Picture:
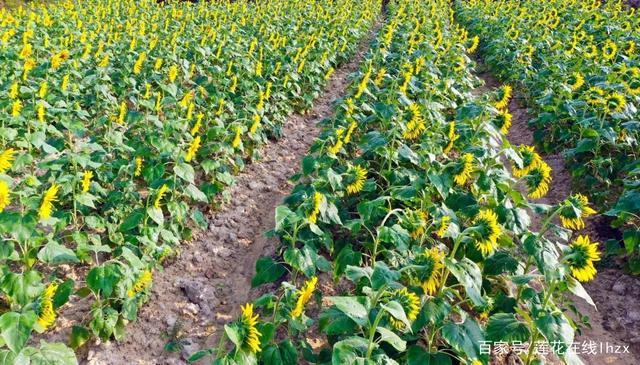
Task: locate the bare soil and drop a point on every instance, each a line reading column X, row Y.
column 195, row 296
column 615, row 321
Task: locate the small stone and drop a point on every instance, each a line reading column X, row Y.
column 254, row 185
column 188, row 348
column 611, row 324
column 619, row 287
column 634, row 315
column 191, row 289
column 171, row 320
column 191, row 309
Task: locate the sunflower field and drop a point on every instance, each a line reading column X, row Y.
column 414, row 201
column 412, row 232
column 578, row 65
column 120, row 120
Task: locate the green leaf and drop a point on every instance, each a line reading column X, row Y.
column 15, row 329
column 47, row 354
column 556, row 329
column 267, row 271
column 392, row 339
column 499, row 263
column 506, row 327
column 631, row 238
column 397, row 311
column 86, row 199
column 23, row 287
column 103, row 279
column 299, row 260
column 185, row 172
column 284, row 215
column 419, row 356
column 434, row 311
column 62, row 293
column 468, row 274
column 382, row 276
column 465, row 337
column 347, row 351
column 355, row 308
column 156, row 215
column 346, row 257
column 132, row 220
column 199, row 355
column 79, row 336
column 334, row 322
column 54, row 253
column 232, row 333
column 195, row 194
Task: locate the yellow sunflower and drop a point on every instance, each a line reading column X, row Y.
column 573, row 210
column 538, row 180
column 248, row 331
column 504, row 95
column 615, row 103
column 357, row 177
column 503, row 121
column 46, row 313
column 464, row 169
column 304, row 296
column 315, row 208
column 576, row 81
column 409, row 302
column 141, row 284
column 580, row 256
column 530, row 159
column 416, row 125
column 609, row 50
column 488, row 230
column 428, row 271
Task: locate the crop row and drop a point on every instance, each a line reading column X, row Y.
column 119, row 122
column 408, row 237
column 579, row 66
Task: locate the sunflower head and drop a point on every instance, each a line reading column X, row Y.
column 416, row 124
column 591, row 51
column 573, row 210
column 459, row 64
column 416, row 222
column 609, row 50
column 530, row 159
column 633, row 86
column 45, row 310
column 464, row 169
column 615, row 103
column 356, row 177
column 304, row 295
column 538, row 180
column 488, row 231
column 410, row 302
column 247, row 329
column 594, row 96
column 503, row 97
column 428, row 270
column 503, row 121
column 576, row 80
column 581, row 255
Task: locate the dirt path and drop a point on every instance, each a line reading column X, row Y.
column 616, row 321
column 194, row 297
